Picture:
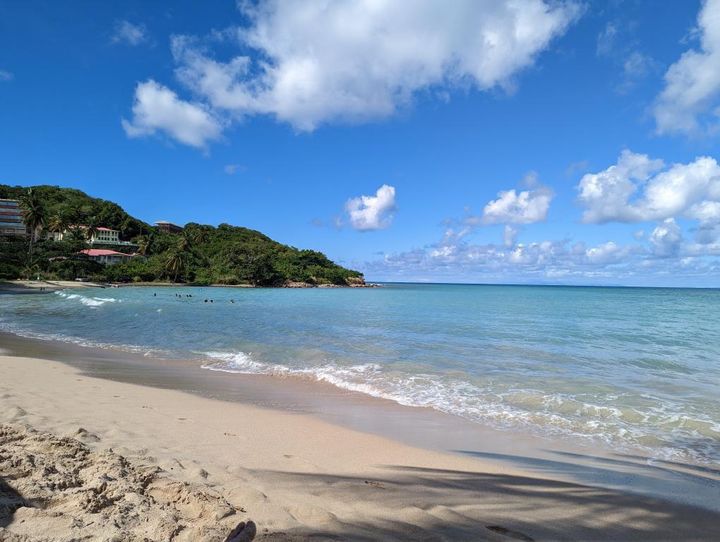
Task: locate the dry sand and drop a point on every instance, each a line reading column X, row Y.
column 183, row 467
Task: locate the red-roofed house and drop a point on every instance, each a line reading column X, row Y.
column 106, row 257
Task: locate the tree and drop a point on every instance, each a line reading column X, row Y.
column 144, row 243
column 77, row 238
column 57, row 223
column 176, row 263
column 91, row 230
column 34, row 215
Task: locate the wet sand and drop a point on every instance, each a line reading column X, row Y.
column 306, row 459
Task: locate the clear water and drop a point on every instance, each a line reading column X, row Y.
column 622, row 366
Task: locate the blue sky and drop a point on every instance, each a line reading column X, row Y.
column 562, row 142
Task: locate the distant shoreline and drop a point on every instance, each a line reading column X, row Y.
column 42, row 286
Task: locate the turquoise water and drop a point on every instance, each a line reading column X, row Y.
column 627, row 367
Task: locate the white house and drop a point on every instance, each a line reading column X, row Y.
column 101, row 236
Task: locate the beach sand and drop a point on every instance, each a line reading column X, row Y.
column 96, row 459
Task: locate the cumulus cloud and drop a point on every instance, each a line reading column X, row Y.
column 639, row 189
column 353, row 61
column 129, row 33
column 376, row 212
column 6, row 75
column 692, row 84
column 158, row 109
column 666, row 239
column 513, row 207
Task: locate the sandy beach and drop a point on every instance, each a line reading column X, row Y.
column 104, row 460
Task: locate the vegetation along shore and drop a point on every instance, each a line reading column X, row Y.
column 64, row 234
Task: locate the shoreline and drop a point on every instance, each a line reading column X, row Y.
column 278, row 416
column 35, row 286
column 420, row 427
column 300, row 476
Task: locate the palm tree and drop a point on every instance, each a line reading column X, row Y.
column 57, row 224
column 91, row 230
column 34, row 214
column 176, row 263
column 144, row 242
column 30, row 270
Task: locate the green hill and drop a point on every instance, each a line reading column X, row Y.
column 201, row 254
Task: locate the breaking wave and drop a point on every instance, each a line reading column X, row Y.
column 87, row 301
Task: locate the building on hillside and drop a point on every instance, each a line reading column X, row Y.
column 101, row 236
column 11, row 218
column 168, row 227
column 106, row 257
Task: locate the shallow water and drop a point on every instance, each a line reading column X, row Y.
column 626, row 367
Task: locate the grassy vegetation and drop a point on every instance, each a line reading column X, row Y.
column 201, row 254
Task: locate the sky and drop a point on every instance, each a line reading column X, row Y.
column 527, row 141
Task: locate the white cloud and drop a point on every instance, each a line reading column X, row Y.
column 510, row 234
column 6, row 75
column 232, row 169
column 607, row 39
column 692, row 84
column 638, row 189
column 158, row 109
column 667, row 261
column 376, row 212
column 129, row 33
column 353, row 61
column 666, row 239
column 605, row 254
column 513, row 207
column 635, row 67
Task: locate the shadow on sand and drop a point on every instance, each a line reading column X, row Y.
column 410, row 503
column 10, row 500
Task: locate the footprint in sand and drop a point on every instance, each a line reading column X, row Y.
column 509, row 533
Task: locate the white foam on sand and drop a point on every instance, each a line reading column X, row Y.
column 556, row 414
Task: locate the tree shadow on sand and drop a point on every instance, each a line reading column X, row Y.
column 413, row 503
column 10, row 500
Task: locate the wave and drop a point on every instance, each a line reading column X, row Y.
column 663, row 431
column 87, row 301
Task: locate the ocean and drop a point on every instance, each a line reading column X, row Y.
column 626, row 368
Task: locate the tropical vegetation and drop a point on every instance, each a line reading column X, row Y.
column 201, row 254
